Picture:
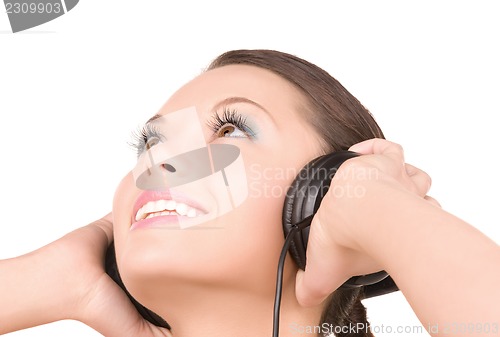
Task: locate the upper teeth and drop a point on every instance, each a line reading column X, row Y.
column 165, row 207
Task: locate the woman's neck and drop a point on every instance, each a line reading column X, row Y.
column 194, row 312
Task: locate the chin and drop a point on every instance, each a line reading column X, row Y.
column 229, row 252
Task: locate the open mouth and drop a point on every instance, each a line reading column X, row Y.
column 155, row 208
column 164, row 207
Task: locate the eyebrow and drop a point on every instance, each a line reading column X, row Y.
column 226, row 101
column 153, row 118
column 237, row 99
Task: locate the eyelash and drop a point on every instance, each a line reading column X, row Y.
column 141, row 138
column 232, row 117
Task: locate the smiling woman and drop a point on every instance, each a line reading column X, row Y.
column 197, row 237
column 218, row 283
column 293, row 104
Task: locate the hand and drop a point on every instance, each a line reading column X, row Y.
column 335, row 251
column 98, row 301
column 394, row 166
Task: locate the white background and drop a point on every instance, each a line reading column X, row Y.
column 72, row 90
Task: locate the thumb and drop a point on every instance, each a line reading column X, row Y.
column 324, row 271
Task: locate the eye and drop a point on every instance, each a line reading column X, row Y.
column 230, row 124
column 152, row 142
column 229, row 130
column 145, row 138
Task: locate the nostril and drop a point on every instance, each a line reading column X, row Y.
column 169, row 168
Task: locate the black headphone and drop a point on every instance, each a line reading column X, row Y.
column 301, row 203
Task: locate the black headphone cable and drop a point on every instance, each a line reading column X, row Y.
column 281, row 266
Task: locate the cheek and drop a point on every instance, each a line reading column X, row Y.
column 261, row 225
column 241, row 247
column 232, row 238
column 269, row 182
column 123, row 201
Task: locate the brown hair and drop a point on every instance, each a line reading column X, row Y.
column 338, row 117
column 340, row 121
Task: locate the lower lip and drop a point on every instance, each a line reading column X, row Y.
column 161, row 221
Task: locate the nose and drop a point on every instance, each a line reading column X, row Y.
column 178, row 170
column 169, row 168
column 186, row 167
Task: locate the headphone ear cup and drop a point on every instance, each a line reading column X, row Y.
column 295, row 248
column 299, row 204
column 304, row 197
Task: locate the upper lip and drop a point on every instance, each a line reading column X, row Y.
column 148, row 196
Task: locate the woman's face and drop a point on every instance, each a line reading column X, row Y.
column 238, row 248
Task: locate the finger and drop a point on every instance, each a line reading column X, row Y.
column 378, row 146
column 320, row 278
column 125, row 320
column 108, row 217
column 106, row 224
column 420, row 179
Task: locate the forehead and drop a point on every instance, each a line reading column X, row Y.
column 261, row 85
